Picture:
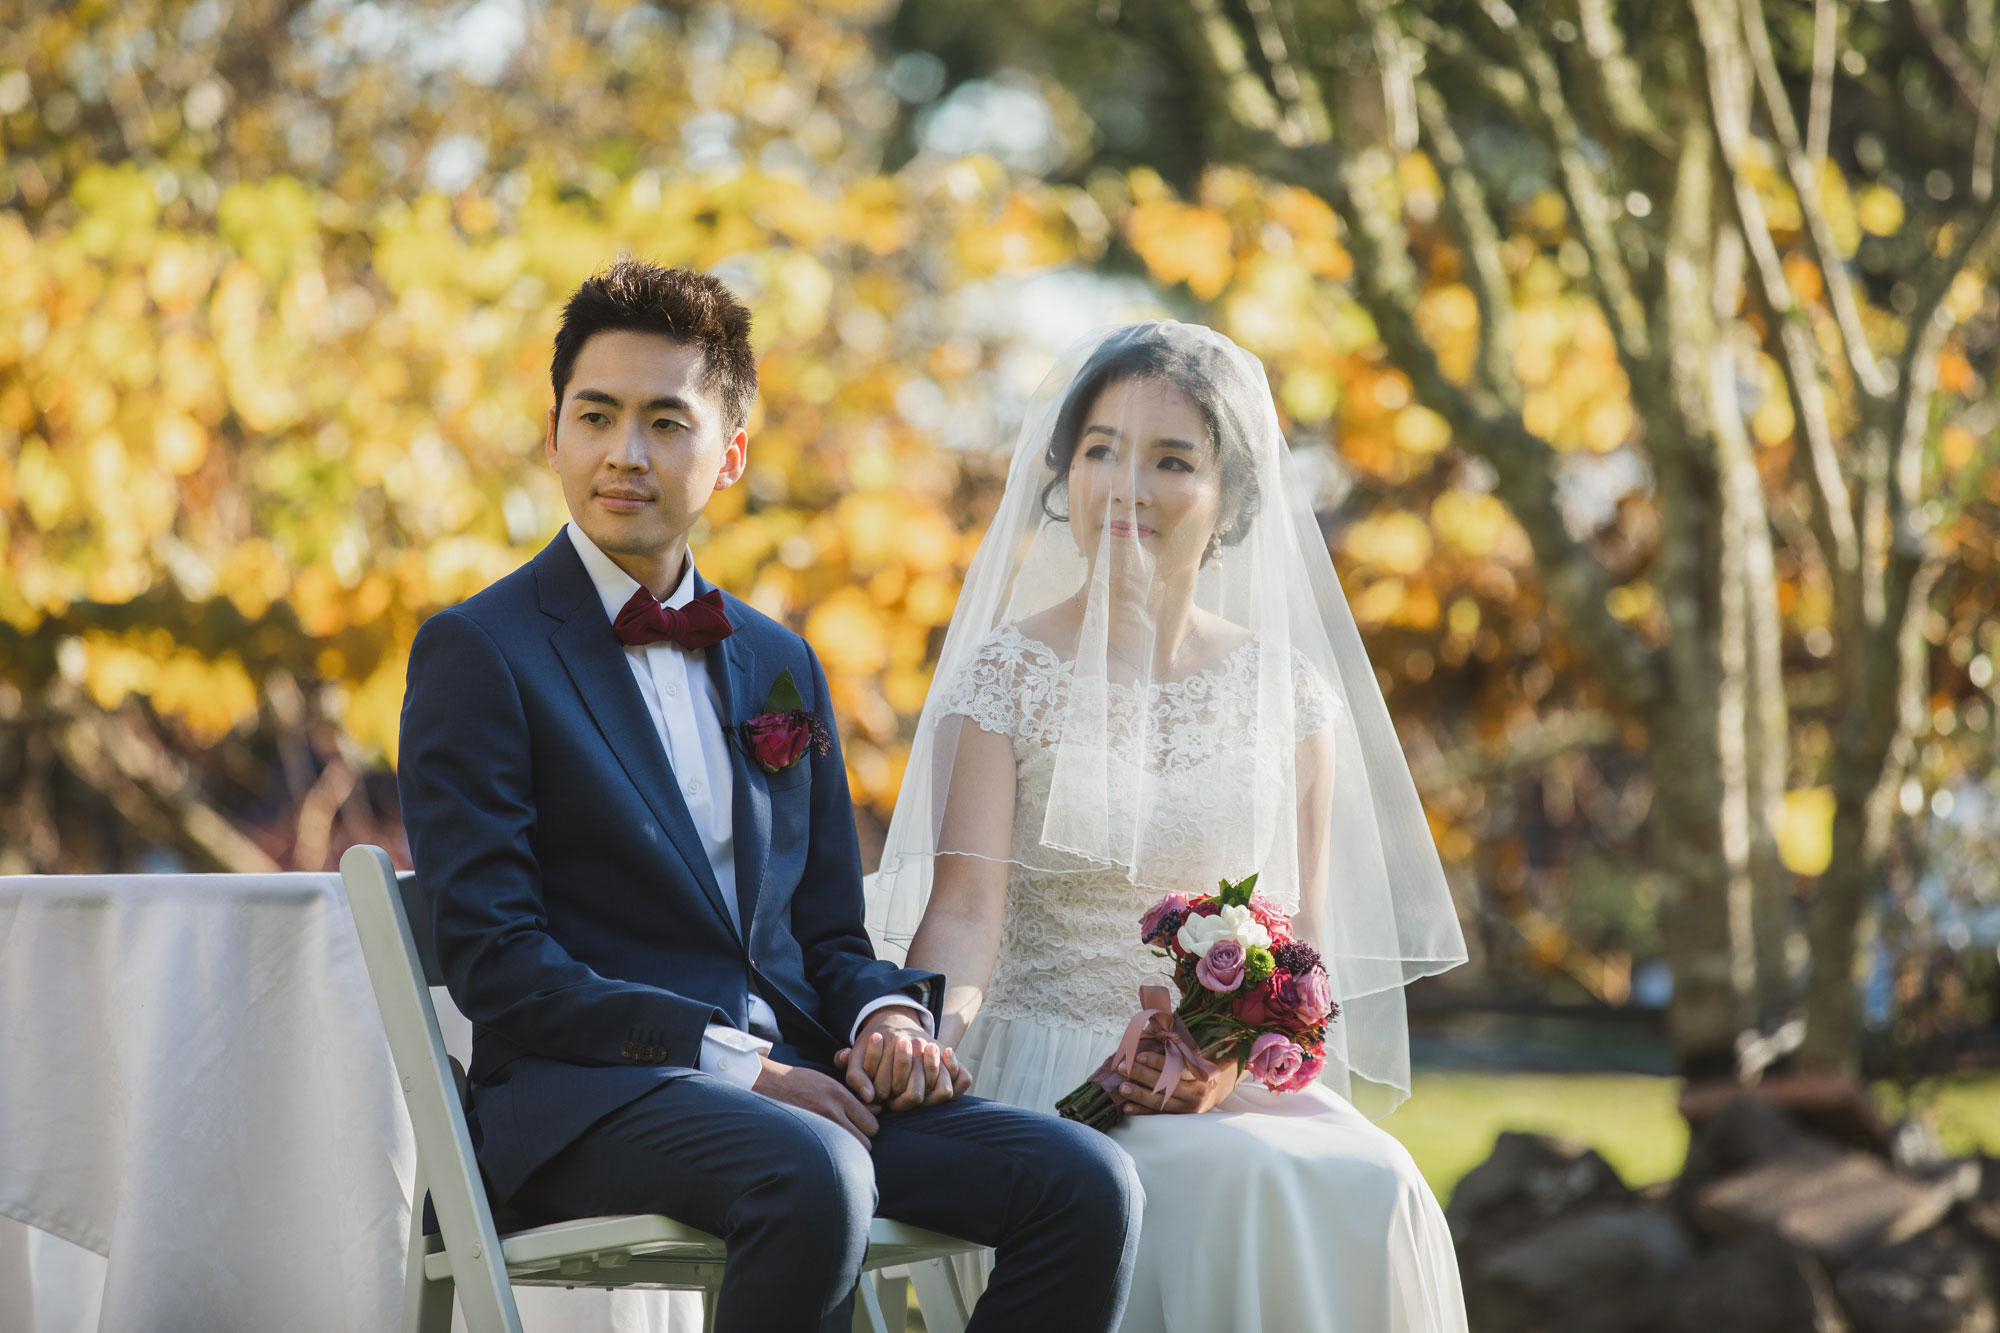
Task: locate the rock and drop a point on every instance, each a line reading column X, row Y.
column 1827, row 1105
column 1937, row 1283
column 1756, row 1283
column 1733, row 1136
column 1981, row 1214
column 1607, row 1270
column 1834, row 1203
column 1528, row 1181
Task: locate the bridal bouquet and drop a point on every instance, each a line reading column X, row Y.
column 1248, row 992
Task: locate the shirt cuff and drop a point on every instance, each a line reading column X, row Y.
column 731, row 1055
column 897, row 1002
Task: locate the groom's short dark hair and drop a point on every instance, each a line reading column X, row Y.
column 692, row 308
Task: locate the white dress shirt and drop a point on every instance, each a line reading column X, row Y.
column 681, row 698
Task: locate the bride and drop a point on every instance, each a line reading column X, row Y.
column 1152, row 683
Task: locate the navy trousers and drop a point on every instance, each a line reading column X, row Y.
column 793, row 1195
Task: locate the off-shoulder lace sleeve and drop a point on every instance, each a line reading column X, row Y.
column 1314, row 703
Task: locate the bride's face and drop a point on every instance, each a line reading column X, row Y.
column 1145, row 476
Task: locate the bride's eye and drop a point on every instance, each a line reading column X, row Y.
column 1100, row 452
column 1175, row 463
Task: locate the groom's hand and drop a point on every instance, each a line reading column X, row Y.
column 895, row 1064
column 810, row 1090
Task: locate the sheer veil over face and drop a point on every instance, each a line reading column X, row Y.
column 1204, row 708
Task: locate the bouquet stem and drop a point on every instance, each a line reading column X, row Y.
column 1091, row 1105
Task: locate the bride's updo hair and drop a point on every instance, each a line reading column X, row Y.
column 1201, row 371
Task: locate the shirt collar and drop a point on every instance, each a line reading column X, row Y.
column 614, row 586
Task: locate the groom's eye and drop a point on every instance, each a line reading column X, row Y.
column 595, row 418
column 667, row 423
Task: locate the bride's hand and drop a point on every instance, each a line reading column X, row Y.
column 1196, row 1092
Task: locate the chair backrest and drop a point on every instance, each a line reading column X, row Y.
column 401, row 973
column 417, row 912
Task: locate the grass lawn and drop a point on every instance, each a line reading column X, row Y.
column 1451, row 1120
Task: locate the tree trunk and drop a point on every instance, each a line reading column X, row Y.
column 1869, row 757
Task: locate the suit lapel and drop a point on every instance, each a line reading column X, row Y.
column 732, row 665
column 597, row 666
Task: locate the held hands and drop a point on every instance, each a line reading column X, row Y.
column 810, row 1090
column 895, row 1065
column 1196, row 1092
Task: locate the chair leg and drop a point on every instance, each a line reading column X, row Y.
column 426, row 1304
column 708, row 1298
column 881, row 1304
column 432, row 1308
column 938, row 1296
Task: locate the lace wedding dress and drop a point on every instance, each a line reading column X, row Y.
column 1287, row 1213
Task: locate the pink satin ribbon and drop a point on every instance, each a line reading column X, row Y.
column 1156, row 1019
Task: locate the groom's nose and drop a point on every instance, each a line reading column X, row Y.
column 628, row 449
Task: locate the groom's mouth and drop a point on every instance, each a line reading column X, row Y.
column 1120, row 528
column 623, row 502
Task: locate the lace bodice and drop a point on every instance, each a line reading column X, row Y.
column 1070, row 954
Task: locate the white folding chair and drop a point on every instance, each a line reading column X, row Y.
column 480, row 1266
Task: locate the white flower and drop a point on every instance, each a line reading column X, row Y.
column 1231, row 923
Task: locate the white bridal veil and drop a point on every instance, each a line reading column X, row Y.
column 1210, row 709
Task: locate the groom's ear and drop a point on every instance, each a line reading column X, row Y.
column 549, row 439
column 735, row 457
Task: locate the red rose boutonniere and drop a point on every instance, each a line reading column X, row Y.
column 779, row 736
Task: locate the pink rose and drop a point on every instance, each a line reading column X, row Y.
column 1315, row 998
column 1157, row 915
column 1275, row 1061
column 1307, row 1075
column 1271, row 917
column 1221, row 968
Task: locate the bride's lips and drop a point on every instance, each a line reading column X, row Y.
column 1120, row 528
column 623, row 502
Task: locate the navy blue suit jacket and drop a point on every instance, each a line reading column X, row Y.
column 577, row 917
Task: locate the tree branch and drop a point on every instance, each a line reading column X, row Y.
column 1472, row 223
column 1388, row 288
column 1805, row 184
column 1826, row 44
column 1931, row 323
column 1504, row 87
column 1245, row 95
column 1587, row 204
column 1305, row 112
column 1982, row 138
column 137, row 775
column 1618, row 76
column 1832, row 511
column 1963, row 73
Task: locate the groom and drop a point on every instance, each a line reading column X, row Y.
column 634, row 828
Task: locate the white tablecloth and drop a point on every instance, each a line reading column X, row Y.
column 194, row 1085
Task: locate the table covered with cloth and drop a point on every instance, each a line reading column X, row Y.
column 200, row 1126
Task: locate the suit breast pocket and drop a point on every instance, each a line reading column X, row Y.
column 796, row 777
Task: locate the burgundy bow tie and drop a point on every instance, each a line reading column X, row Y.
column 702, row 623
